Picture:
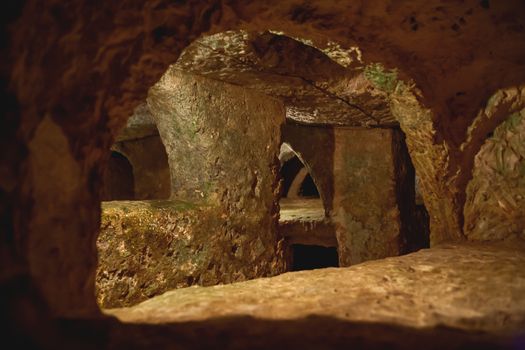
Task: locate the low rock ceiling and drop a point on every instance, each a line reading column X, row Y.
column 315, row 88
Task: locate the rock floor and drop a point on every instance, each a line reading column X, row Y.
column 452, row 295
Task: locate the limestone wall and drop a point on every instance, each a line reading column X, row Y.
column 149, row 247
column 495, row 206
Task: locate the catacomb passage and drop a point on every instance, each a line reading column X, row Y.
column 263, row 175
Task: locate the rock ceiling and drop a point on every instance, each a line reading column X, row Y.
column 316, row 89
column 139, row 125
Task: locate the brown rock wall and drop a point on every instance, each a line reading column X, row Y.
column 366, row 182
column 314, row 146
column 87, row 65
column 367, row 217
column 149, row 247
column 495, row 205
column 440, row 287
column 431, row 159
column 222, row 141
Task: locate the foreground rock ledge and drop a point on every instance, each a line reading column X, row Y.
column 466, row 287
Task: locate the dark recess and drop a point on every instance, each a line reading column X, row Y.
column 310, row 257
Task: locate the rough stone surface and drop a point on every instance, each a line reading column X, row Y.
column 365, row 209
column 149, row 247
column 495, row 206
column 84, row 66
column 232, row 135
column 305, row 141
column 464, row 287
column 318, row 90
column 445, row 168
column 367, row 191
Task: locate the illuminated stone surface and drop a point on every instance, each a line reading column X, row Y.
column 464, row 287
column 317, row 90
column 75, row 71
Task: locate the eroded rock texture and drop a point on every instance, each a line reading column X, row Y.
column 149, row 247
column 222, row 144
column 425, row 290
column 327, row 89
column 76, row 70
column 314, row 88
column 364, row 206
column 222, row 141
column 495, row 207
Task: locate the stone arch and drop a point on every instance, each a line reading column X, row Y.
column 294, row 180
column 303, row 185
column 119, row 182
column 140, row 142
column 495, row 196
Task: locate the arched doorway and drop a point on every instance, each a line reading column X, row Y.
column 310, row 238
column 118, row 179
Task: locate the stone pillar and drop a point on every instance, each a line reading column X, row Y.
column 222, row 143
column 365, row 208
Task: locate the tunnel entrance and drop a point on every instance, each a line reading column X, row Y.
column 119, row 182
column 310, row 257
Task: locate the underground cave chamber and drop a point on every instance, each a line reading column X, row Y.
column 259, row 182
column 255, row 190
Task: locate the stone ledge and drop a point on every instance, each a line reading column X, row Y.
column 474, row 287
column 148, row 247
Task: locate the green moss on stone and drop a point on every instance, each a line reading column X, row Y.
column 381, row 77
column 171, row 204
column 132, row 206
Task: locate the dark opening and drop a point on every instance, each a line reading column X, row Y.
column 420, row 237
column 118, row 179
column 308, row 188
column 289, row 171
column 310, row 257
